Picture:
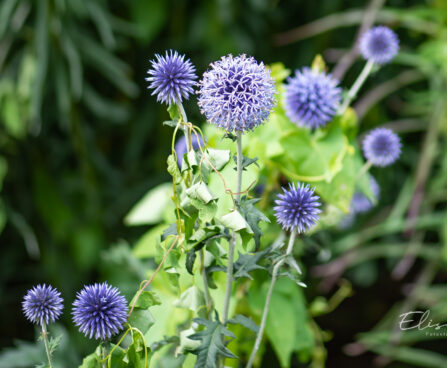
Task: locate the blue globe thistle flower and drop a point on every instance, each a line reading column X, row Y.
column 361, row 203
column 297, row 208
column 382, row 147
column 172, row 77
column 311, row 98
column 237, row 93
column 181, row 147
column 379, row 44
column 99, row 311
column 42, row 304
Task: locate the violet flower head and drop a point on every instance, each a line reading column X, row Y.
column 42, row 304
column 382, row 147
column 181, row 146
column 236, row 93
column 99, row 311
column 361, row 203
column 379, row 44
column 297, row 208
column 172, row 77
column 312, row 98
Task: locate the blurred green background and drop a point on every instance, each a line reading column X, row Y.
column 81, row 139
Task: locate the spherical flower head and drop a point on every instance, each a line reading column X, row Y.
column 361, row 203
column 311, row 98
column 297, row 208
column 379, row 44
column 99, row 311
column 382, row 147
column 236, row 93
column 42, row 304
column 181, row 146
column 172, row 77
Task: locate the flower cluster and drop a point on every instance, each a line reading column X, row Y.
column 99, row 311
column 312, row 98
column 382, row 147
column 236, row 93
column 379, row 44
column 42, row 304
column 297, row 208
column 172, row 77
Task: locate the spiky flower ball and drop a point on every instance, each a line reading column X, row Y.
column 172, row 77
column 181, row 146
column 361, row 203
column 311, row 98
column 236, row 93
column 42, row 304
column 297, row 208
column 382, row 147
column 99, row 311
column 379, row 44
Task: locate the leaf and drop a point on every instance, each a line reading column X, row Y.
column 190, row 260
column 141, row 319
column 149, row 209
column 253, row 216
column 192, row 299
column 171, row 230
column 204, row 234
column 201, row 192
column 212, row 345
column 244, row 321
column 249, row 262
column 146, row 299
column 246, row 161
column 173, row 169
column 167, row 340
column 137, row 353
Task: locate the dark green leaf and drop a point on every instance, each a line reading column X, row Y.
column 248, row 262
column 190, row 259
column 167, row 340
column 171, row 230
column 212, row 346
column 253, row 216
column 246, row 161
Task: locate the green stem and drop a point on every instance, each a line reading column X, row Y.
column 47, row 346
column 268, row 299
column 103, row 354
column 364, row 169
column 205, row 282
column 356, row 86
column 184, row 127
column 233, row 238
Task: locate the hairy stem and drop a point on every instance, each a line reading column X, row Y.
column 47, row 346
column 233, row 238
column 356, row 86
column 268, row 299
column 103, row 354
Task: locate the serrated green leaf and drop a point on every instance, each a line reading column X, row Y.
column 190, row 260
column 253, row 216
column 212, row 346
column 249, row 262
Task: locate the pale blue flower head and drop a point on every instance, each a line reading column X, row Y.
column 382, row 147
column 297, row 208
column 42, row 304
column 379, row 44
column 99, row 311
column 237, row 93
column 312, row 98
column 172, row 77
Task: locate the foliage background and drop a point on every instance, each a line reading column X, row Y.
column 81, row 142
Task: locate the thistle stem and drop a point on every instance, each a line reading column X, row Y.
column 184, row 127
column 103, row 354
column 205, row 282
column 356, row 86
column 233, row 238
column 365, row 168
column 47, row 346
column 268, row 299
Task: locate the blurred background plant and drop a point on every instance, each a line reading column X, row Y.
column 81, row 143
